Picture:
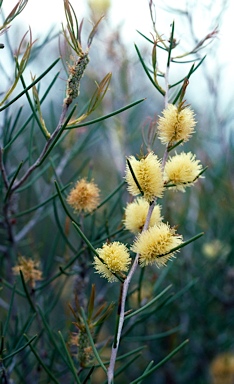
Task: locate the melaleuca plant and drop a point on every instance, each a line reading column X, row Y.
column 59, row 234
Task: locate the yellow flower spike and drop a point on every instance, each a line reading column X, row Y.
column 30, row 270
column 76, row 73
column 182, row 170
column 148, row 174
column 84, row 196
column 176, row 124
column 73, row 37
column 155, row 244
column 136, row 213
column 116, row 258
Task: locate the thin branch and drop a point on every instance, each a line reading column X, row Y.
column 44, row 151
column 3, row 170
column 110, row 372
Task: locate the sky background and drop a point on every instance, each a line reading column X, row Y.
column 134, row 14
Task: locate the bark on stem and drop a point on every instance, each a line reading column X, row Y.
column 114, row 351
column 46, row 147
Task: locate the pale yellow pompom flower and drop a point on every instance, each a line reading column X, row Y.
column 148, row 174
column 84, row 196
column 30, row 270
column 155, row 245
column 99, row 7
column 222, row 369
column 116, row 259
column 182, row 170
column 136, row 213
column 176, row 124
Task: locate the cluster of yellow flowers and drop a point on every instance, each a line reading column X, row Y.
column 148, row 173
column 176, row 124
column 113, row 258
column 155, row 242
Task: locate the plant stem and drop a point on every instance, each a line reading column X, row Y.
column 114, row 351
column 44, row 151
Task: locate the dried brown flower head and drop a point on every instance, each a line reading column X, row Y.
column 30, row 270
column 84, row 196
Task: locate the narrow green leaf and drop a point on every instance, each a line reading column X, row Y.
column 123, row 367
column 106, row 116
column 20, row 349
column 14, row 125
column 168, row 357
column 162, row 277
column 30, row 117
column 169, row 149
column 124, row 356
column 110, row 235
column 191, row 71
column 134, row 177
column 70, row 362
column 182, row 291
column 27, row 293
column 99, row 94
column 171, row 44
column 147, row 369
column 2, row 341
column 151, row 41
column 132, row 352
column 32, row 106
column 92, row 342
column 12, row 181
column 145, row 37
column 34, row 178
column 40, row 204
column 10, row 286
column 53, row 299
column 88, row 376
column 147, row 305
column 55, row 141
column 146, row 315
column 156, row 336
column 47, row 92
column 91, row 303
column 49, row 332
column 31, row 85
column 109, row 196
column 47, row 370
column 183, row 244
column 9, row 312
column 90, row 246
column 63, row 203
column 156, row 85
column 185, row 61
column 82, row 235
column 61, row 229
column 24, row 329
column 46, row 283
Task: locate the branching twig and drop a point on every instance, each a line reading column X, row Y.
column 126, row 284
column 44, row 151
column 3, row 170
